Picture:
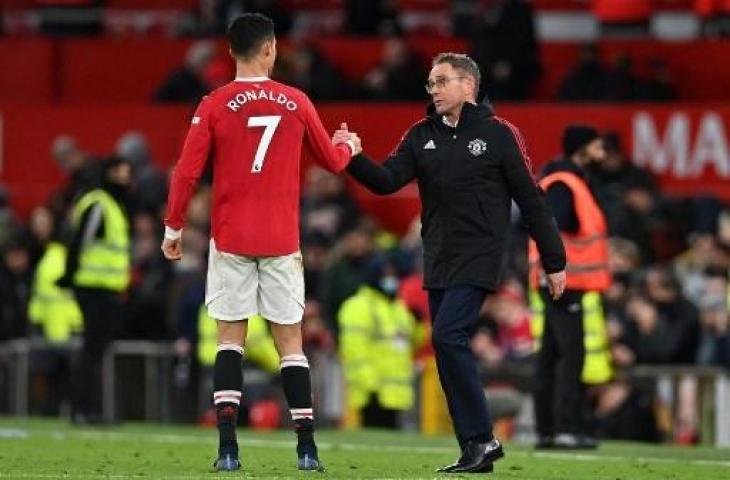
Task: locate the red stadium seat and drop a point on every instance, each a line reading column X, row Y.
column 153, row 4
column 622, row 11
column 709, row 8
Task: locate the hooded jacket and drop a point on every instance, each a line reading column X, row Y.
column 467, row 177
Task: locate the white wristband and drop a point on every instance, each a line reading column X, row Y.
column 172, row 234
column 351, row 144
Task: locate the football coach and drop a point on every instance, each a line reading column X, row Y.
column 469, row 165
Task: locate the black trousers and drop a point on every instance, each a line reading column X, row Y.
column 454, row 312
column 558, row 387
column 101, row 310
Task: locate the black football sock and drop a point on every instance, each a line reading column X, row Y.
column 298, row 391
column 227, row 386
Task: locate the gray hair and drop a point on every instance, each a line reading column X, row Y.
column 461, row 61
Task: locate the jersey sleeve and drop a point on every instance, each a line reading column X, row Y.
column 319, row 144
column 189, row 167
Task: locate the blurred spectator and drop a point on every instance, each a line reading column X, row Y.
column 465, row 16
column 612, row 177
column 150, row 186
column 621, row 83
column 703, row 253
column 505, row 334
column 399, row 76
column 374, row 17
column 344, row 275
column 199, row 213
column 503, row 344
column 326, row 207
column 307, row 69
column 635, row 218
column 626, row 413
column 315, row 334
column 624, row 260
column 723, row 230
column 9, row 225
column 627, row 194
column 100, row 236
column 659, row 85
column 41, row 228
column 505, row 47
column 715, row 337
column 80, row 169
column 56, row 318
column 315, row 250
column 662, row 288
column 15, row 281
column 187, row 83
column 705, row 211
column 587, row 81
column 150, row 275
column 378, row 335
column 663, row 326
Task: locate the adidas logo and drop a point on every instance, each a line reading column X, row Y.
column 430, row 145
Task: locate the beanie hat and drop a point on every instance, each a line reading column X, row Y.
column 576, row 137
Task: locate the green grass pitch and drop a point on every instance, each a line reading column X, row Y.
column 49, row 449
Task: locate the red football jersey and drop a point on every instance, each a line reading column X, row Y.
column 253, row 130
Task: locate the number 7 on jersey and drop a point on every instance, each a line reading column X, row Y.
column 269, row 123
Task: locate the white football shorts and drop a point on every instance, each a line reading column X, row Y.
column 239, row 287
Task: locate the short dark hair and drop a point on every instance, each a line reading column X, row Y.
column 461, row 61
column 248, row 32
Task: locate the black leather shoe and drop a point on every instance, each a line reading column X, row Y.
column 476, row 458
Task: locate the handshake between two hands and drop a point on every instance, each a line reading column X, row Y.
column 343, row 135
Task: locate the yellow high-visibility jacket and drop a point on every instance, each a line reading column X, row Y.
column 377, row 340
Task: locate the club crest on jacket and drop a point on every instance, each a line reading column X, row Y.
column 477, row 147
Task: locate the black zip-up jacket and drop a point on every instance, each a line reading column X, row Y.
column 467, row 177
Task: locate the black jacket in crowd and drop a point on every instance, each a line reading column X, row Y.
column 467, row 177
column 560, row 196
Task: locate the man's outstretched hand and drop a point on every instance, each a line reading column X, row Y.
column 343, row 135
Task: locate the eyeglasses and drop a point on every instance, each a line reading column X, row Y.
column 440, row 82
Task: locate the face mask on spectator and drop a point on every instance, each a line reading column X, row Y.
column 389, row 285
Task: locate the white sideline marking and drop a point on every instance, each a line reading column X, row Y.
column 13, row 433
